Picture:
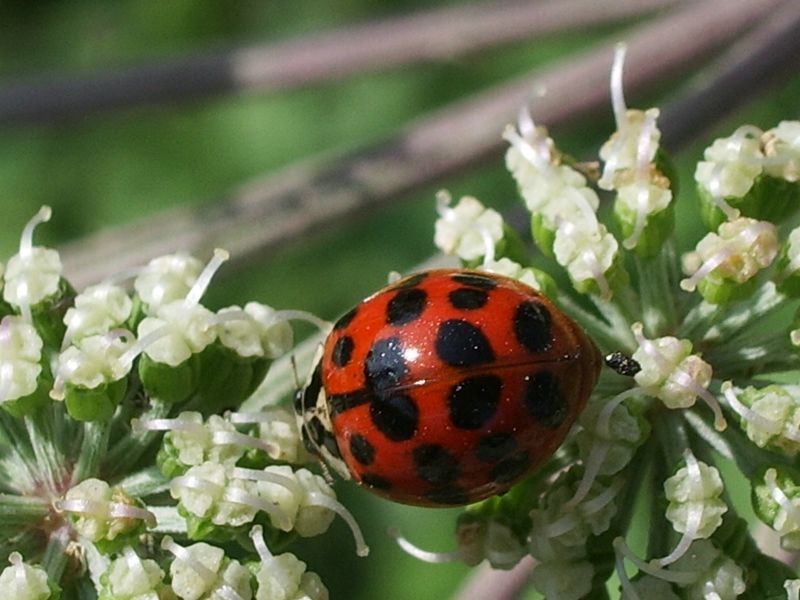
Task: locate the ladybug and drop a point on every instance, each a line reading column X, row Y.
column 446, row 387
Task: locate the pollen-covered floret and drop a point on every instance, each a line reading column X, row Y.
column 770, row 416
column 782, row 151
column 731, row 164
column 735, row 254
column 103, row 513
column 669, row 370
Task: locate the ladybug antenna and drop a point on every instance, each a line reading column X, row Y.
column 622, row 364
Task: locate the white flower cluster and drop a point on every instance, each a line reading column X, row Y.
column 732, row 164
column 563, row 209
column 560, row 532
column 95, row 345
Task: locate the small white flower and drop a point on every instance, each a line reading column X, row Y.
column 256, row 332
column 97, row 310
column 186, row 329
column 670, row 372
column 782, row 149
column 101, row 512
column 131, row 577
column 737, row 252
column 94, row 361
column 715, row 575
column 731, row 164
column 695, row 505
column 22, row 581
column 509, row 268
column 166, row 279
column 20, row 358
column 770, row 415
column 32, row 277
column 587, row 253
column 465, row 229
column 208, row 491
column 626, row 150
column 203, row 572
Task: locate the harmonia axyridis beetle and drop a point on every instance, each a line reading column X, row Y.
column 447, row 387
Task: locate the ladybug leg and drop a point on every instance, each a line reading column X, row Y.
column 622, row 363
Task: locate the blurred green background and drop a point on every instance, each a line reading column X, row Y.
column 121, row 166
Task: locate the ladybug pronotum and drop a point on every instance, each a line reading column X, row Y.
column 447, row 387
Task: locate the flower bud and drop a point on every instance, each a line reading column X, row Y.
column 132, row 578
column 695, row 507
column 776, row 501
column 98, row 309
column 770, row 416
column 92, row 378
column 25, row 379
column 203, row 572
column 166, row 279
column 468, row 230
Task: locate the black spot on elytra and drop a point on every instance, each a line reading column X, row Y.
column 375, row 481
column 495, row 447
column 468, row 298
column 361, row 449
column 406, row 306
column 346, row 319
column 395, row 415
column 511, row 468
column 342, row 351
column 411, row 281
column 434, row 464
column 544, row 399
column 473, row 279
column 533, row 326
column 338, row 403
column 462, row 344
column 385, row 368
column 473, row 401
column 448, row 495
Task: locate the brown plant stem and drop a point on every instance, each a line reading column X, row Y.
column 433, row 35
column 279, row 207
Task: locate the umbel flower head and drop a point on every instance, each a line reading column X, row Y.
column 719, row 335
column 118, row 424
column 132, row 471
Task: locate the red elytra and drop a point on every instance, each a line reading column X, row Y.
column 447, row 387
